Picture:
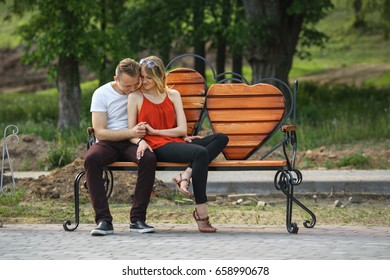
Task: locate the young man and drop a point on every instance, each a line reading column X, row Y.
column 109, row 120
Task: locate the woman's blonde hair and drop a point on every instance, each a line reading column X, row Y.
column 154, row 68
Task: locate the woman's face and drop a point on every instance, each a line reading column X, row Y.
column 147, row 81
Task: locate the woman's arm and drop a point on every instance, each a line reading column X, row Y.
column 132, row 112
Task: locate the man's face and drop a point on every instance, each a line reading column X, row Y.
column 127, row 84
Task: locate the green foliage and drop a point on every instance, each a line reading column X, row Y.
column 63, row 151
column 12, row 199
column 357, row 161
column 313, row 12
column 38, row 112
column 341, row 114
column 60, row 156
column 58, row 29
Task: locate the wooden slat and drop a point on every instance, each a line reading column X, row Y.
column 236, row 153
column 187, row 82
column 251, row 140
column 243, row 89
column 190, row 127
column 184, row 76
column 216, row 163
column 289, row 127
column 239, row 115
column 192, row 115
column 244, row 128
column 189, row 89
column 196, row 102
column 191, row 86
column 243, row 163
column 257, row 102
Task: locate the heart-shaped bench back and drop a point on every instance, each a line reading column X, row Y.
column 248, row 114
column 192, row 87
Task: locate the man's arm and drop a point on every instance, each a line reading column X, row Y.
column 99, row 123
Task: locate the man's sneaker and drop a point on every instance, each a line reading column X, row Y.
column 141, row 227
column 103, row 228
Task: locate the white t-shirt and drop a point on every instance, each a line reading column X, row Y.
column 106, row 99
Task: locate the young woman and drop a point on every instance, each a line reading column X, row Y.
column 161, row 109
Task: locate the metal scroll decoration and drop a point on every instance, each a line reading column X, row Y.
column 13, row 135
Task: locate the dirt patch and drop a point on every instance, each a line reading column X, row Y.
column 59, row 184
column 351, row 75
column 28, row 152
column 17, row 77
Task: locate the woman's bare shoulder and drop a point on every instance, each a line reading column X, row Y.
column 173, row 93
column 135, row 95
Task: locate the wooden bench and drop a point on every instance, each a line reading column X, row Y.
column 250, row 115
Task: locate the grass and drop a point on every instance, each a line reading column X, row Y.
column 346, row 46
column 372, row 212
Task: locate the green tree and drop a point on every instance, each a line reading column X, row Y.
column 274, row 29
column 60, row 35
column 109, row 47
column 386, row 19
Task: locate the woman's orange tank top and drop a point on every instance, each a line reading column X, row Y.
column 159, row 116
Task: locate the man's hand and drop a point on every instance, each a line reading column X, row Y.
column 139, row 131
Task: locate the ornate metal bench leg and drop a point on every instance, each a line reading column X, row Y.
column 308, row 223
column 76, row 204
column 283, row 182
column 296, row 180
column 291, row 227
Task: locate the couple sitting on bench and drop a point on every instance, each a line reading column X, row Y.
column 153, row 129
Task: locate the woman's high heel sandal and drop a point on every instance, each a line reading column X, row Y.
column 183, row 190
column 203, row 223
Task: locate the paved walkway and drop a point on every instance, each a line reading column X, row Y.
column 184, row 242
column 239, row 242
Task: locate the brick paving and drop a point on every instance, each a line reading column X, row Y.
column 184, row 242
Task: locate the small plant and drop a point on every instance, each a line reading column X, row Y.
column 329, row 164
column 61, row 154
column 26, row 164
column 12, row 199
column 359, row 161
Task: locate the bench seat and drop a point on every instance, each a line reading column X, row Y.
column 217, row 165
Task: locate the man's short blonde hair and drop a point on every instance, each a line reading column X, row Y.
column 128, row 66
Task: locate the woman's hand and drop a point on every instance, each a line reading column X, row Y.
column 150, row 130
column 189, row 139
column 139, row 130
column 142, row 147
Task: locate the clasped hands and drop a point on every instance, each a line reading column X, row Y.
column 143, row 128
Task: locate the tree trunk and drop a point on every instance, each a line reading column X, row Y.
column 273, row 38
column 199, row 43
column 237, row 64
column 68, row 85
column 221, row 39
column 237, row 51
